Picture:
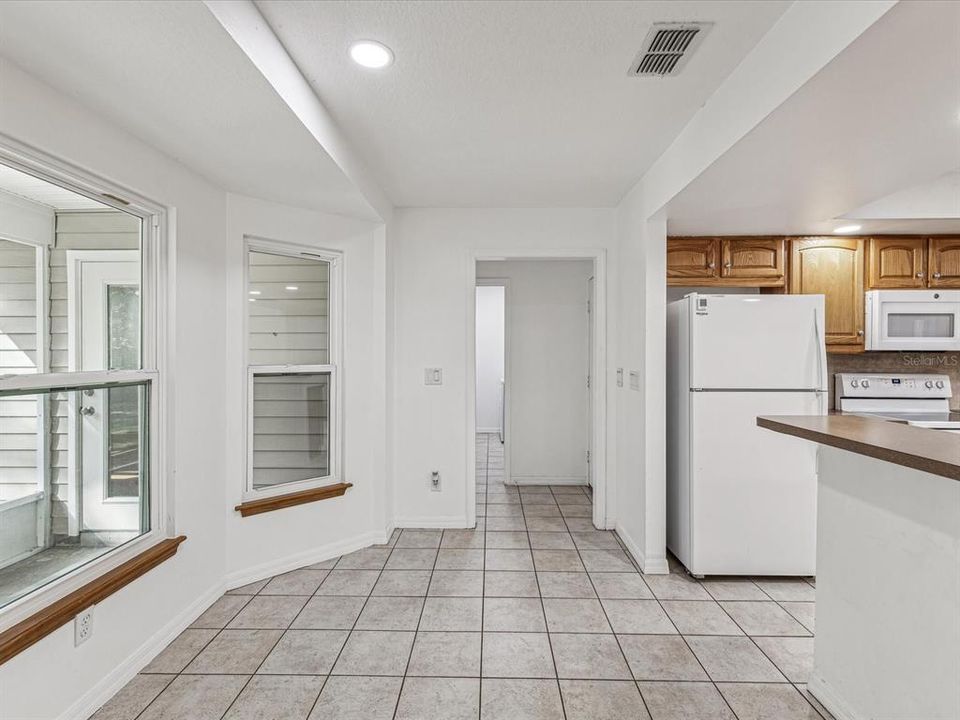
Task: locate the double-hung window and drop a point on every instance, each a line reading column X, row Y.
column 80, row 407
column 293, row 369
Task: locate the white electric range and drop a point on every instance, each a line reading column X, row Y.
column 918, row 400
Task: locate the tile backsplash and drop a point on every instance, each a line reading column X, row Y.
column 914, row 363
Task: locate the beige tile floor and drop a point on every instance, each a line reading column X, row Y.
column 532, row 615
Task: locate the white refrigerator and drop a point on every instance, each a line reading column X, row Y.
column 742, row 500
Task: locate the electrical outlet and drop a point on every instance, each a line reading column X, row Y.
column 435, row 481
column 83, row 626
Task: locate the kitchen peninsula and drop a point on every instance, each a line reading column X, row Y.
column 888, row 567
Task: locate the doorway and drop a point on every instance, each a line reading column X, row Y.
column 553, row 409
column 492, row 432
column 104, row 314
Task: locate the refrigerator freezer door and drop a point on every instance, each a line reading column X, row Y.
column 753, row 494
column 760, row 342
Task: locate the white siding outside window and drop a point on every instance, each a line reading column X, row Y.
column 292, row 368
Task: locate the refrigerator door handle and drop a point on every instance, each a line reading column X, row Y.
column 821, row 351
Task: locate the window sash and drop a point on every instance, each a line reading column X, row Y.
column 332, row 367
column 157, row 283
column 333, row 425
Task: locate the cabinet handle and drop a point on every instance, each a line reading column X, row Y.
column 919, row 274
column 859, row 332
column 936, row 275
column 712, row 266
column 728, row 265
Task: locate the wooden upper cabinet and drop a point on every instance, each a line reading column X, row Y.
column 832, row 267
column 691, row 259
column 754, row 258
column 897, row 262
column 944, row 262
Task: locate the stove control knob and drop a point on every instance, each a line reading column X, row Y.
column 854, row 382
column 865, row 383
column 929, row 384
column 939, row 384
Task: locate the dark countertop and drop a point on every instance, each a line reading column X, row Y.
column 932, row 451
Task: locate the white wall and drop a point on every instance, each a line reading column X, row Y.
column 548, row 368
column 263, row 545
column 435, row 253
column 146, row 613
column 795, row 49
column 490, row 339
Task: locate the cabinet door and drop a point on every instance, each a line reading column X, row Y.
column 753, row 258
column 896, row 262
column 944, row 262
column 832, row 267
column 690, row 259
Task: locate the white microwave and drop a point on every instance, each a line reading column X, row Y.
column 913, row 320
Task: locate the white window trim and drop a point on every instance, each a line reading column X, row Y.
column 158, row 291
column 334, row 366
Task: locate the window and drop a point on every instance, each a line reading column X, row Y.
column 293, row 390
column 79, row 381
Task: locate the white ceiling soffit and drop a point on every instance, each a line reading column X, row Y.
column 937, row 200
column 168, row 73
column 510, row 103
column 875, row 121
column 40, row 191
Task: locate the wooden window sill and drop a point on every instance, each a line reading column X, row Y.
column 36, row 627
column 278, row 502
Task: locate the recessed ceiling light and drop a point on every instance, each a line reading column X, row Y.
column 252, row 299
column 371, row 54
column 844, row 229
column 254, row 292
column 292, row 287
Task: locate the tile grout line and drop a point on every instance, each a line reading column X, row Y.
column 355, row 620
column 543, row 609
column 416, row 632
column 604, row 611
column 197, row 654
column 483, row 578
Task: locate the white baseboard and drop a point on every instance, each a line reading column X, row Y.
column 548, row 480
column 263, row 571
column 433, row 521
column 651, row 566
column 819, row 688
column 97, row 695
column 94, row 698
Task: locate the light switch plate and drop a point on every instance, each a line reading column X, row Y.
column 619, row 377
column 634, row 379
column 433, row 376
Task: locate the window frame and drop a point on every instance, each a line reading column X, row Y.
column 158, row 283
column 333, row 366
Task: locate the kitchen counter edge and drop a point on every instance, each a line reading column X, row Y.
column 932, row 451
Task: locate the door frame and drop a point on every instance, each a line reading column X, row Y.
column 74, row 261
column 598, row 369
column 505, row 284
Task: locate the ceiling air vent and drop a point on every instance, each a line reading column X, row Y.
column 667, row 48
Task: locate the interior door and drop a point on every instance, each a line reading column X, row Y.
column 109, row 338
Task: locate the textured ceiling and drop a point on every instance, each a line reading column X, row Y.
column 510, row 103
